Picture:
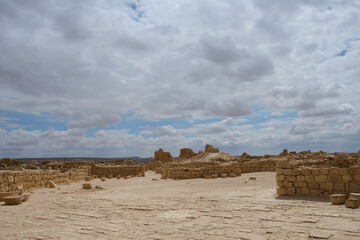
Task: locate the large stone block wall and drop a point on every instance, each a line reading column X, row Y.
column 292, row 179
column 187, row 172
column 266, row 165
column 10, row 181
column 117, row 170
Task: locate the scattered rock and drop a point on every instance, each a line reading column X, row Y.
column 102, row 179
column 99, row 187
column 320, row 235
column 252, row 178
column 232, row 175
column 110, row 176
column 214, row 176
column 52, row 184
column 224, row 175
column 16, row 199
column 154, row 179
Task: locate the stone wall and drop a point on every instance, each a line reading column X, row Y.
column 117, row 170
column 10, row 181
column 200, row 170
column 294, row 179
column 265, row 165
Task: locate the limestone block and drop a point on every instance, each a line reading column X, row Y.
column 321, row 178
column 13, row 200
column 305, row 191
column 354, row 187
column 306, row 171
column 333, row 178
column 334, row 171
column 300, row 178
column 288, row 184
column 298, row 191
column 339, row 187
column 5, row 194
column 309, row 178
column 280, row 184
column 355, row 195
column 343, row 171
column 324, row 171
column 51, row 184
column 291, row 191
column 337, row 198
column 288, row 172
column 86, row 186
column 315, row 172
column 280, row 177
column 232, row 175
column 110, row 176
column 300, row 184
column 296, row 171
column 281, row 191
column 354, row 170
column 352, row 203
column 290, row 178
column 357, row 178
column 327, row 186
column 315, row 192
column 346, row 178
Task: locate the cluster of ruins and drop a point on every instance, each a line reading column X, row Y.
column 297, row 174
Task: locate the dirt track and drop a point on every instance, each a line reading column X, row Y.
column 151, row 208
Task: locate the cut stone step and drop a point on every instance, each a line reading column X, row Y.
column 352, row 203
column 337, row 199
column 355, row 195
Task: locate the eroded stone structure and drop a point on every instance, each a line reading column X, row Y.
column 10, row 181
column 117, row 171
column 318, row 174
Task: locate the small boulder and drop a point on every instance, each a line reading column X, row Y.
column 355, row 195
column 51, row 184
column 5, row 194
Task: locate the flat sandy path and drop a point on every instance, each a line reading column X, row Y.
column 151, row 208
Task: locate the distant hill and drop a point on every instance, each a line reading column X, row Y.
column 89, row 159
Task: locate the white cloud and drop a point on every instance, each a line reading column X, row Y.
column 90, row 62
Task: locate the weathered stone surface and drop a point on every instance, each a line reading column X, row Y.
column 352, row 203
column 355, row 195
column 16, row 199
column 162, row 156
column 52, row 184
column 210, row 149
column 337, row 199
column 186, row 153
column 5, row 194
column 86, row 186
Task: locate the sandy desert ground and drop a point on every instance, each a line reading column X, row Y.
column 152, row 208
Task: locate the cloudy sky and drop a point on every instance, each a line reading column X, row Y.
column 123, row 78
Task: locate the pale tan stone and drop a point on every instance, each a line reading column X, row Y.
column 337, row 198
column 352, row 203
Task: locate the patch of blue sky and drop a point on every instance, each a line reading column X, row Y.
column 27, row 121
column 342, row 53
column 137, row 12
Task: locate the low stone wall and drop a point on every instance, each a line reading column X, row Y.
column 292, row 179
column 199, row 170
column 10, row 181
column 117, row 171
column 266, row 165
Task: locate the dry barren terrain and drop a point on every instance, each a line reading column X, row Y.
column 152, row 208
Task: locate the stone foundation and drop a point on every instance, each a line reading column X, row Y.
column 265, row 165
column 10, row 181
column 200, row 170
column 294, row 179
column 117, row 171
